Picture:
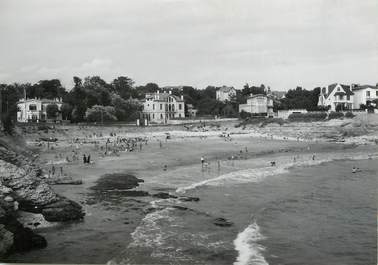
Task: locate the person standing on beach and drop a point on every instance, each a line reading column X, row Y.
column 84, row 159
column 313, row 157
column 89, row 159
column 202, row 161
column 53, row 170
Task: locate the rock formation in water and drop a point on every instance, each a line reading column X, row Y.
column 23, row 187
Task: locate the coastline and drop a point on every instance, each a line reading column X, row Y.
column 180, row 156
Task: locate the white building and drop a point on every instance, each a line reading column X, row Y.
column 225, row 93
column 35, row 109
column 160, row 107
column 336, row 94
column 364, row 95
column 258, row 104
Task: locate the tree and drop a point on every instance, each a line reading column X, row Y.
column 66, row 110
column 99, row 113
column 123, row 86
column 52, row 111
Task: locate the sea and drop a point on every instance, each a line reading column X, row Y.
column 302, row 210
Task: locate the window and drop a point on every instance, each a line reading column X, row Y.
column 338, row 89
column 153, row 106
column 341, row 97
column 153, row 115
column 368, row 93
column 161, row 106
column 32, row 107
column 161, row 115
column 173, row 107
column 376, row 93
column 180, row 107
column 348, row 97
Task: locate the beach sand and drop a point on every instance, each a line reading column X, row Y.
column 112, row 218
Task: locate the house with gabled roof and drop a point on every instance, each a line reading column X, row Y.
column 336, row 95
column 161, row 107
column 364, row 95
column 225, row 93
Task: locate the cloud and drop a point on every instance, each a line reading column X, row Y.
column 195, row 42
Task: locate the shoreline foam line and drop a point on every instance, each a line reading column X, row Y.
column 258, row 174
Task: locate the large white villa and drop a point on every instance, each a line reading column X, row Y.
column 160, row 107
column 34, row 110
column 258, row 104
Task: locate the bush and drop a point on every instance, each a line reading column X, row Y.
column 310, row 116
column 244, row 115
column 335, row 115
column 349, row 115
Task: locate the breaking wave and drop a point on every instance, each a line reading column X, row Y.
column 246, row 243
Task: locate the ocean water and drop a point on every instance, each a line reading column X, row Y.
column 302, row 212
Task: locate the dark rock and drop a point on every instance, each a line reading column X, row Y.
column 116, row 181
column 23, row 238
column 135, row 193
column 63, row 210
column 222, row 222
column 178, row 207
column 189, row 199
column 64, row 181
column 164, row 195
column 6, row 240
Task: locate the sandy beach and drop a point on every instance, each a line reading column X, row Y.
column 124, row 227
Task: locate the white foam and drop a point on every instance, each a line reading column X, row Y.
column 241, row 176
column 284, row 164
column 246, row 243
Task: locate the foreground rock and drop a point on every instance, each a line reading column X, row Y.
column 116, row 181
column 62, row 210
column 222, row 222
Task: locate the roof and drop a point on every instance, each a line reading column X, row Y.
column 346, row 89
column 226, row 89
column 358, row 87
column 43, row 100
column 260, row 95
column 163, row 96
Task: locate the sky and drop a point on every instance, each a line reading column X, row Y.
column 281, row 43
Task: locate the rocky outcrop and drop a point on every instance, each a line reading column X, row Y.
column 6, row 240
column 23, row 187
column 62, row 210
column 116, row 181
column 164, row 195
column 222, row 222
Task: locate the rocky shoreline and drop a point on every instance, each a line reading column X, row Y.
column 22, row 187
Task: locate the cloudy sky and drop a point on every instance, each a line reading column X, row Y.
column 281, row 43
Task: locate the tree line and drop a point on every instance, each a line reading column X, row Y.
column 93, row 99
